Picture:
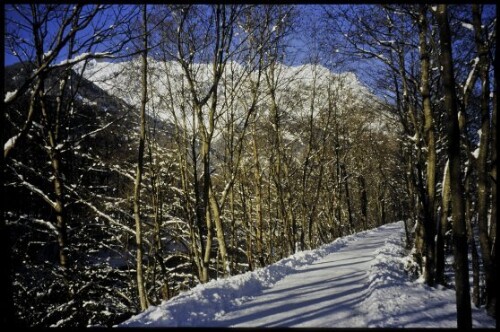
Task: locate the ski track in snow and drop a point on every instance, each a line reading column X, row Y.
column 356, row 281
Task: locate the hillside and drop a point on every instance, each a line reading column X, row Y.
column 168, row 88
column 318, row 116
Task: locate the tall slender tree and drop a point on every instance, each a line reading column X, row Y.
column 140, row 163
column 484, row 184
column 464, row 318
column 429, row 204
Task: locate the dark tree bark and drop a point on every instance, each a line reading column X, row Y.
column 363, row 201
column 345, row 176
column 464, row 319
column 493, row 179
column 482, row 166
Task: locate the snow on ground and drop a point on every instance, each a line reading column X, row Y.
column 356, row 281
column 396, row 301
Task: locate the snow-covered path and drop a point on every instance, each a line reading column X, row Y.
column 327, row 292
column 355, row 281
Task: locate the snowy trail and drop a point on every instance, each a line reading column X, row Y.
column 327, row 292
column 355, row 281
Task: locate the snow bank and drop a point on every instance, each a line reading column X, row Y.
column 395, row 300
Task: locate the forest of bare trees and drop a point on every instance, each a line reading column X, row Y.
column 151, row 148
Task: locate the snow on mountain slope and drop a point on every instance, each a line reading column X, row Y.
column 168, row 87
column 356, row 281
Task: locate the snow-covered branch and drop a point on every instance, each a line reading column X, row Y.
column 471, row 78
column 83, row 57
column 10, row 143
column 45, row 223
column 96, row 131
column 9, row 96
column 100, row 213
column 33, row 188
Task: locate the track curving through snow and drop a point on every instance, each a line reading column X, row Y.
column 355, row 281
column 328, row 292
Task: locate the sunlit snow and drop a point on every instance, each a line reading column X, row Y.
column 9, row 95
column 356, row 281
column 168, row 86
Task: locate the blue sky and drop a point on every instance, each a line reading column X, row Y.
column 297, row 42
column 15, row 24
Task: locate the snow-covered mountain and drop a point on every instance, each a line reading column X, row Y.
column 300, row 90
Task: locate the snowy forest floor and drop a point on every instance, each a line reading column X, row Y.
column 355, row 281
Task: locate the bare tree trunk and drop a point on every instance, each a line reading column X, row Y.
column 221, row 240
column 138, row 174
column 469, row 217
column 234, row 242
column 248, row 224
column 52, row 123
column 345, row 177
column 312, row 213
column 271, row 247
column 207, row 139
column 338, row 173
column 164, row 292
column 258, row 192
column 464, row 319
column 380, row 204
column 482, row 166
column 199, row 214
column 279, row 165
column 363, row 200
column 205, row 206
column 429, row 219
column 443, row 226
column 493, row 181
